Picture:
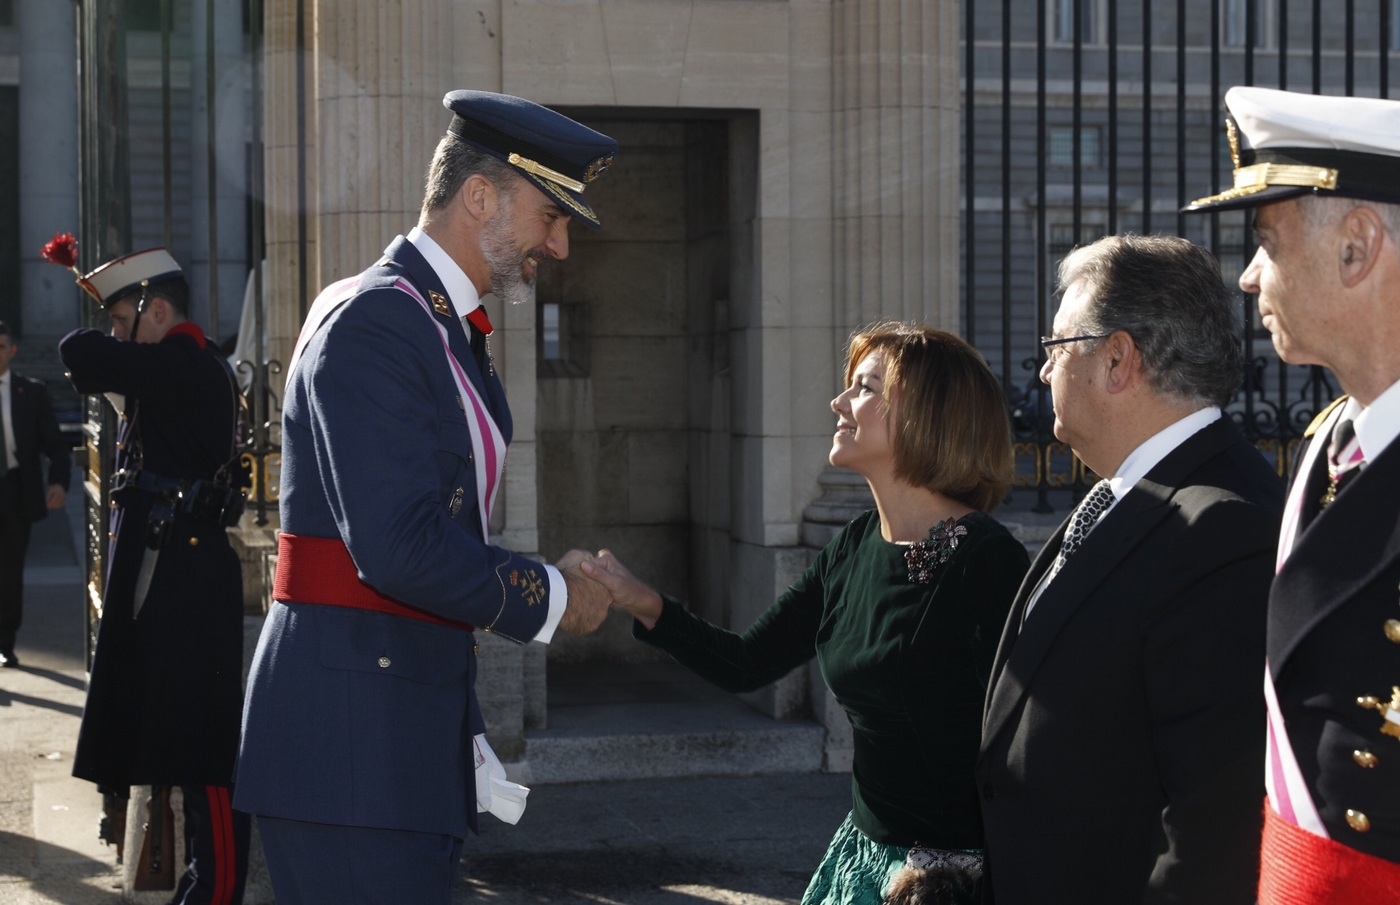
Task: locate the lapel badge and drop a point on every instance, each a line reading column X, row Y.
column 454, row 505
column 440, row 303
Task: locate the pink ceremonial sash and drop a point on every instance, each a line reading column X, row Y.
column 1288, row 790
column 488, row 446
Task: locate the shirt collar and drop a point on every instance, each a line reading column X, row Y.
column 1378, row 423
column 460, row 290
column 1157, row 447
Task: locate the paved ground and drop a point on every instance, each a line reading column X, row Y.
column 748, row 841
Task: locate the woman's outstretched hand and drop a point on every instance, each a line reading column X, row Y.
column 629, row 593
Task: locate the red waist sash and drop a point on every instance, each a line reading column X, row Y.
column 320, row 570
column 1302, row 868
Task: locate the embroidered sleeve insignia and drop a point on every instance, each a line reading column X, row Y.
column 533, row 590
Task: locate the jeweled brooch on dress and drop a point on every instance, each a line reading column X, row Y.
column 933, row 551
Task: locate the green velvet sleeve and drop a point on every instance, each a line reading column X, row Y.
column 781, row 639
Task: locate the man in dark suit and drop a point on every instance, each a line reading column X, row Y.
column 30, row 434
column 1323, row 177
column 361, row 727
column 1124, row 726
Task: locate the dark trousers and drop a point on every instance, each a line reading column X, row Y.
column 216, row 848
column 14, row 542
column 320, row 864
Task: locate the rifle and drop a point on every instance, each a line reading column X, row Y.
column 155, row 868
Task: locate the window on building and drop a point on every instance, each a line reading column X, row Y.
column 1065, row 21
column 1234, row 23
column 142, row 15
column 1061, row 150
column 562, row 347
column 7, row 13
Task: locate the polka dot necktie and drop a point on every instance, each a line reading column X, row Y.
column 1099, row 498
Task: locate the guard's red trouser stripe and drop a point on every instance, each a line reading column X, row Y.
column 221, row 832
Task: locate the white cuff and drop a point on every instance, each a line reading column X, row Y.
column 558, row 602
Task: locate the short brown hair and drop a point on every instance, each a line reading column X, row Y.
column 950, row 429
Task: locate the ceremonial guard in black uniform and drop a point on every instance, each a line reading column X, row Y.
column 165, row 697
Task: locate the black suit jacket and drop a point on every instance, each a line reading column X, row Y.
column 1327, row 646
column 37, row 435
column 1123, row 741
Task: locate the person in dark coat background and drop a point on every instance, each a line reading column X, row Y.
column 29, row 433
column 165, row 696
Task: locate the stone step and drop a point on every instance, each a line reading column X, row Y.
column 657, row 721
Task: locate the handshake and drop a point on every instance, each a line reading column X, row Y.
column 597, row 582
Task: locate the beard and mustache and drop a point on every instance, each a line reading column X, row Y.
column 509, row 282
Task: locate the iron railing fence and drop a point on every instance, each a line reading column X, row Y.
column 1091, row 117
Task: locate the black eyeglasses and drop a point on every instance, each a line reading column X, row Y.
column 1047, row 341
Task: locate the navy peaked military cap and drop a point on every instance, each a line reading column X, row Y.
column 1284, row 144
column 559, row 156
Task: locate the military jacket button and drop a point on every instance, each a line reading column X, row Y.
column 194, row 542
column 1365, row 758
column 1392, row 630
column 383, row 662
column 1358, row 821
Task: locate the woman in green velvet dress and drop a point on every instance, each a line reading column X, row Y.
column 903, row 609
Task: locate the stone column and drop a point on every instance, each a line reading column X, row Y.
column 289, row 172
column 48, row 166
column 380, row 67
column 895, row 168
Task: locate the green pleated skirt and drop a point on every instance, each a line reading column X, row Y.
column 855, row 870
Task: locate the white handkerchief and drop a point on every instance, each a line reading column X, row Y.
column 495, row 793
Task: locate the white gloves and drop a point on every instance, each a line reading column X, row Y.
column 494, row 792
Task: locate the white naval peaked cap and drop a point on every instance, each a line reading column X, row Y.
column 1285, row 143
column 120, row 277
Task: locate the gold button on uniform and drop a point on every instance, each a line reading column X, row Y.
column 1392, row 630
column 1365, row 758
column 194, row 542
column 1358, row 821
column 383, row 662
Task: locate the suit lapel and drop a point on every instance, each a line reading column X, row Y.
column 1349, row 543
column 1126, row 526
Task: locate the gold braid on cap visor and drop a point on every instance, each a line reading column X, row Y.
column 1253, row 179
column 543, row 172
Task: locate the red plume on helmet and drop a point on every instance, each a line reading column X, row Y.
column 62, row 250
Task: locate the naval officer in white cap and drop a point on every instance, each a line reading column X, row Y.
column 1323, row 177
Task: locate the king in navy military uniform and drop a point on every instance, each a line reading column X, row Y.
column 1322, row 175
column 164, row 698
column 361, row 729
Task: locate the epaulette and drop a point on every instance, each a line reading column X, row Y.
column 1323, row 415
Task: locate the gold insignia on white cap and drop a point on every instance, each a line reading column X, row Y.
column 1291, row 141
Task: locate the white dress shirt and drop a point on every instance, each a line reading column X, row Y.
column 1378, row 424
column 1136, row 466
column 8, row 418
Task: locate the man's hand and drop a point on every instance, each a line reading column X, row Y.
column 627, row 591
column 588, row 600
column 56, row 496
